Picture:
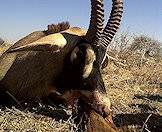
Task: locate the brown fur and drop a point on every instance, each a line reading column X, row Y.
column 96, row 123
column 29, row 74
column 29, row 39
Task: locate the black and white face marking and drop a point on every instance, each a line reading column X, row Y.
column 91, row 87
column 85, row 57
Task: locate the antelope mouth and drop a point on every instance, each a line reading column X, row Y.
column 97, row 101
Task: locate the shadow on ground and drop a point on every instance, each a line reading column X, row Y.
column 144, row 121
column 150, row 97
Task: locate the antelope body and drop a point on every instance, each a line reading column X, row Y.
column 65, row 64
column 30, row 74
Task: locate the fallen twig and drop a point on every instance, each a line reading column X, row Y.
column 145, row 125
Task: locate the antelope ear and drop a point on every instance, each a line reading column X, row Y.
column 105, row 63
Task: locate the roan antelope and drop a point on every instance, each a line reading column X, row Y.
column 66, row 64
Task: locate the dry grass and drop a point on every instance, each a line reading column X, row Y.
column 16, row 120
column 3, row 48
column 135, row 93
column 124, row 86
column 134, row 90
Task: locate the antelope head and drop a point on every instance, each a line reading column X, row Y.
column 90, row 53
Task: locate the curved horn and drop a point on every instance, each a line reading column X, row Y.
column 113, row 22
column 96, row 21
column 111, row 27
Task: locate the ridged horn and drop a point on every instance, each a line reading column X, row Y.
column 96, row 22
column 111, row 27
column 113, row 22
